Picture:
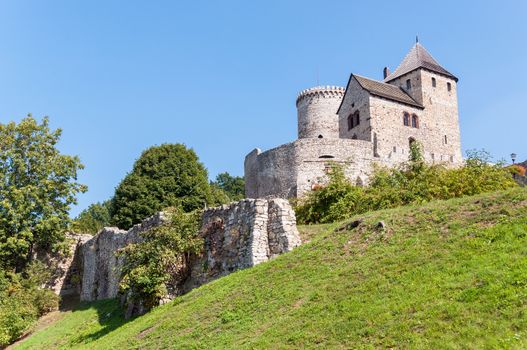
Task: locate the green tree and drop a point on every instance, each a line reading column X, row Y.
column 37, row 186
column 164, row 176
column 233, row 186
column 92, row 219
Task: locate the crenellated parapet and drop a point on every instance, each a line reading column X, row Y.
column 321, row 92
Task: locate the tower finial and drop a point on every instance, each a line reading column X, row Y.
column 417, row 39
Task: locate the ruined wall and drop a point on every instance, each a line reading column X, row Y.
column 101, row 266
column 236, row 236
column 243, row 234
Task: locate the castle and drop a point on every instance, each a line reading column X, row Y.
column 368, row 122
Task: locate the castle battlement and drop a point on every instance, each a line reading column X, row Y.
column 321, row 92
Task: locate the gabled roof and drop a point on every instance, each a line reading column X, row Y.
column 388, row 91
column 418, row 57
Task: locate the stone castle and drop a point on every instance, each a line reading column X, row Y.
column 367, row 122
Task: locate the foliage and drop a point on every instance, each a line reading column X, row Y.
column 161, row 259
column 37, row 186
column 414, row 182
column 233, row 186
column 163, row 176
column 92, row 219
column 22, row 301
column 444, row 275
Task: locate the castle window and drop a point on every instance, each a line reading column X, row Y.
column 320, row 136
column 350, row 122
column 408, row 84
column 326, row 156
column 357, row 118
column 415, row 121
column 449, row 86
column 433, row 82
column 394, row 149
column 353, row 105
column 446, row 140
column 406, row 119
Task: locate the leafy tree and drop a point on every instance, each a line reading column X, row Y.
column 233, row 186
column 164, row 176
column 92, row 219
column 37, row 186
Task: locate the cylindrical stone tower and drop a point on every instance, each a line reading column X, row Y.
column 317, row 112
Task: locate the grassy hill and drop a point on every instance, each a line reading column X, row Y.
column 445, row 275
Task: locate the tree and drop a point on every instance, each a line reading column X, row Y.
column 37, row 186
column 233, row 186
column 164, row 176
column 92, row 219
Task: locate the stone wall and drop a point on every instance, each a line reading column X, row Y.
column 356, row 99
column 101, row 266
column 241, row 235
column 293, row 169
column 236, row 236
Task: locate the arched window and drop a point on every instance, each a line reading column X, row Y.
column 320, row 136
column 415, row 121
column 433, row 82
column 406, row 119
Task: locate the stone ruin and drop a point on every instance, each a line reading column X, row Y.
column 236, row 236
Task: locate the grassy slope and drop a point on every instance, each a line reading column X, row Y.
column 448, row 275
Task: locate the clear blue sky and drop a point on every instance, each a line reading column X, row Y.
column 222, row 76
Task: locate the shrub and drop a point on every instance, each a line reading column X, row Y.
column 412, row 182
column 22, row 301
column 161, row 260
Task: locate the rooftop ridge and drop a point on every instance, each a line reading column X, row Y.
column 327, row 91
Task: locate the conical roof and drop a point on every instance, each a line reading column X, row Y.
column 418, row 57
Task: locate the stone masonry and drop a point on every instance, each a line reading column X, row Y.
column 236, row 236
column 369, row 122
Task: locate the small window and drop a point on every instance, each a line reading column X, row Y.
column 415, row 121
column 320, row 136
column 353, row 105
column 446, row 140
column 451, row 159
column 394, row 149
column 408, row 84
column 350, row 122
column 357, row 118
column 326, row 156
column 406, row 119
column 449, row 86
column 433, row 82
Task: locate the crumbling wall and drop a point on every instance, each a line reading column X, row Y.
column 236, row 236
column 241, row 235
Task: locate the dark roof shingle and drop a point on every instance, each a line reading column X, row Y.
column 418, row 57
column 388, row 91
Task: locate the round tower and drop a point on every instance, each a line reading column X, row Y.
column 317, row 112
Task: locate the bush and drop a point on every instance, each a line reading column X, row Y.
column 23, row 301
column 413, row 182
column 161, row 260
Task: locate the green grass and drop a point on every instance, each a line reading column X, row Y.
column 445, row 275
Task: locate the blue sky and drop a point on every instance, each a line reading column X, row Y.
column 222, row 76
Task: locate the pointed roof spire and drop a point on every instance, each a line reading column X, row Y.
column 418, row 57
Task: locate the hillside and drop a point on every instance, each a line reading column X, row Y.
column 448, row 274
